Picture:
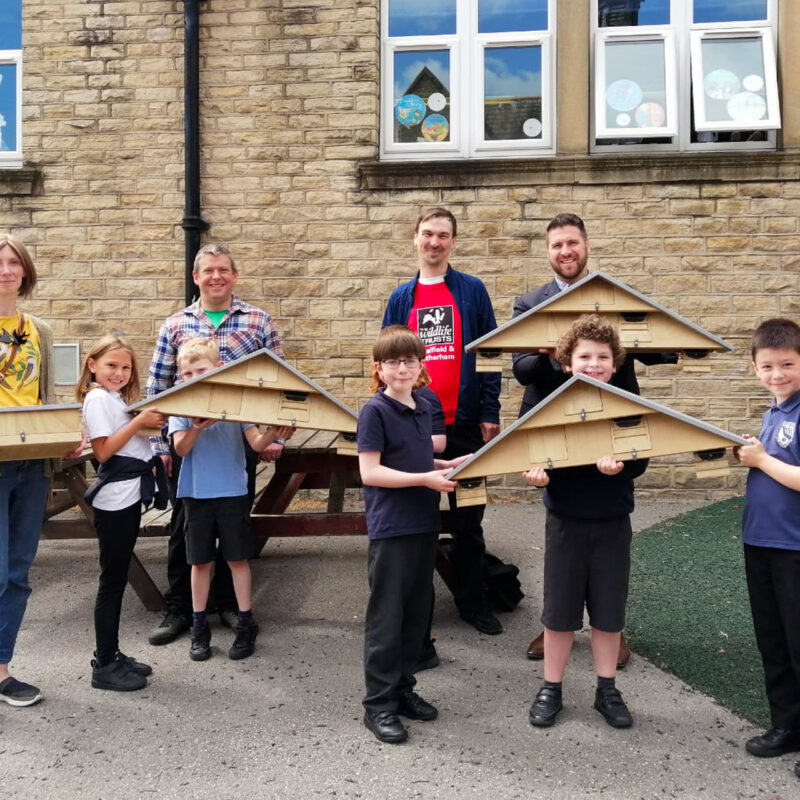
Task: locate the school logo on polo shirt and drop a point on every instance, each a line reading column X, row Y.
column 786, row 434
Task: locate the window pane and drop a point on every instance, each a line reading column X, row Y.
column 733, row 80
column 729, row 10
column 422, row 96
column 495, row 16
column 422, row 17
column 10, row 24
column 512, row 93
column 635, row 90
column 8, row 107
column 615, row 13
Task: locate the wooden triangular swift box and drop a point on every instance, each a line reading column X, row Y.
column 643, row 325
column 584, row 420
column 39, row 431
column 259, row 388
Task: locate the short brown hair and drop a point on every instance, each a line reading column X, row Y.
column 396, row 341
column 563, row 220
column 433, row 213
column 29, row 276
column 591, row 328
column 778, row 333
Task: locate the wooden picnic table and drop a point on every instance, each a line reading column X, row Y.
column 309, row 461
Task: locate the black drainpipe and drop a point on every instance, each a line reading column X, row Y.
column 193, row 224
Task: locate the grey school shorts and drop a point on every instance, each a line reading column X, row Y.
column 586, row 562
column 226, row 519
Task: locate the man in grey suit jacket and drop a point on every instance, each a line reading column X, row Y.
column 568, row 253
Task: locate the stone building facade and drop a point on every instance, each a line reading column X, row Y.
column 321, row 226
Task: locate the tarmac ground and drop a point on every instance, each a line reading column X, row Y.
column 287, row 722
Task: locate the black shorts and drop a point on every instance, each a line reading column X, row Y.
column 223, row 518
column 586, row 562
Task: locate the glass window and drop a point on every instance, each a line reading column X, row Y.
column 702, row 73
column 636, row 91
column 466, row 78
column 422, row 96
column 10, row 83
column 512, row 93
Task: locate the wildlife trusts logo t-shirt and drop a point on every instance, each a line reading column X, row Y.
column 436, row 320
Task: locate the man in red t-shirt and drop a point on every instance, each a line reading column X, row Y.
column 449, row 309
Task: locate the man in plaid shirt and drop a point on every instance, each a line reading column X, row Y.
column 238, row 329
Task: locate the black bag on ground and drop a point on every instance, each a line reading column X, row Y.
column 503, row 589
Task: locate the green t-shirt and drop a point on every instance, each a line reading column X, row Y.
column 215, row 316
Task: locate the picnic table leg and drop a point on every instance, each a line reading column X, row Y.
column 275, row 499
column 143, row 585
column 336, row 493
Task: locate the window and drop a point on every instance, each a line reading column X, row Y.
column 10, row 83
column 684, row 74
column 467, row 78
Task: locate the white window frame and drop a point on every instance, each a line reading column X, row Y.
column 644, row 34
column 682, row 26
column 12, row 159
column 773, row 120
column 467, row 49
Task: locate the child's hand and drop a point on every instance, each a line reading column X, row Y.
column 151, row 418
column 609, row 465
column 437, row 481
column 284, row 431
column 78, row 451
column 202, row 422
column 454, row 462
column 537, row 477
column 750, row 454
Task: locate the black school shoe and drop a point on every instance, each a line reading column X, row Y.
column 545, row 707
column 200, row 647
column 610, row 704
column 139, row 667
column 774, row 742
column 245, row 642
column 428, row 658
column 386, row 726
column 484, row 622
column 412, row 706
column 116, row 677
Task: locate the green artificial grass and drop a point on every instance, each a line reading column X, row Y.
column 688, row 610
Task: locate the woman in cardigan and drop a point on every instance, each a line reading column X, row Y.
column 26, row 379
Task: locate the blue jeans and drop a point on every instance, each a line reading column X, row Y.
column 23, row 496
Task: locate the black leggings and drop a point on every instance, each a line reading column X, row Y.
column 117, row 532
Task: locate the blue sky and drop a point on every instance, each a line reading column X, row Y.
column 8, row 105
column 10, row 24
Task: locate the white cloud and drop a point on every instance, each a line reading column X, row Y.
column 502, row 82
column 403, row 80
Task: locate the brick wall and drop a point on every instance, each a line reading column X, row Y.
column 289, row 114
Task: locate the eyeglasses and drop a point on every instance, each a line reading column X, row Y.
column 394, row 363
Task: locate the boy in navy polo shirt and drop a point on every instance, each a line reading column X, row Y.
column 402, row 481
column 771, row 534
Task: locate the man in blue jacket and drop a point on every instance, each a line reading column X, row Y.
column 448, row 309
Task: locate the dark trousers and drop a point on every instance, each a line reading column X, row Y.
column 773, row 582
column 178, row 596
column 467, row 530
column 400, row 575
column 117, row 532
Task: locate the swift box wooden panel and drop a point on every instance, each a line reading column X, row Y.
column 39, row 431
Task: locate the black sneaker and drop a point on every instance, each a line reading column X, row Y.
column 774, row 742
column 545, row 707
column 17, row 693
column 170, row 628
column 116, row 677
column 139, row 667
column 484, row 622
column 386, row 726
column 200, row 648
column 245, row 642
column 610, row 704
column 412, row 706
